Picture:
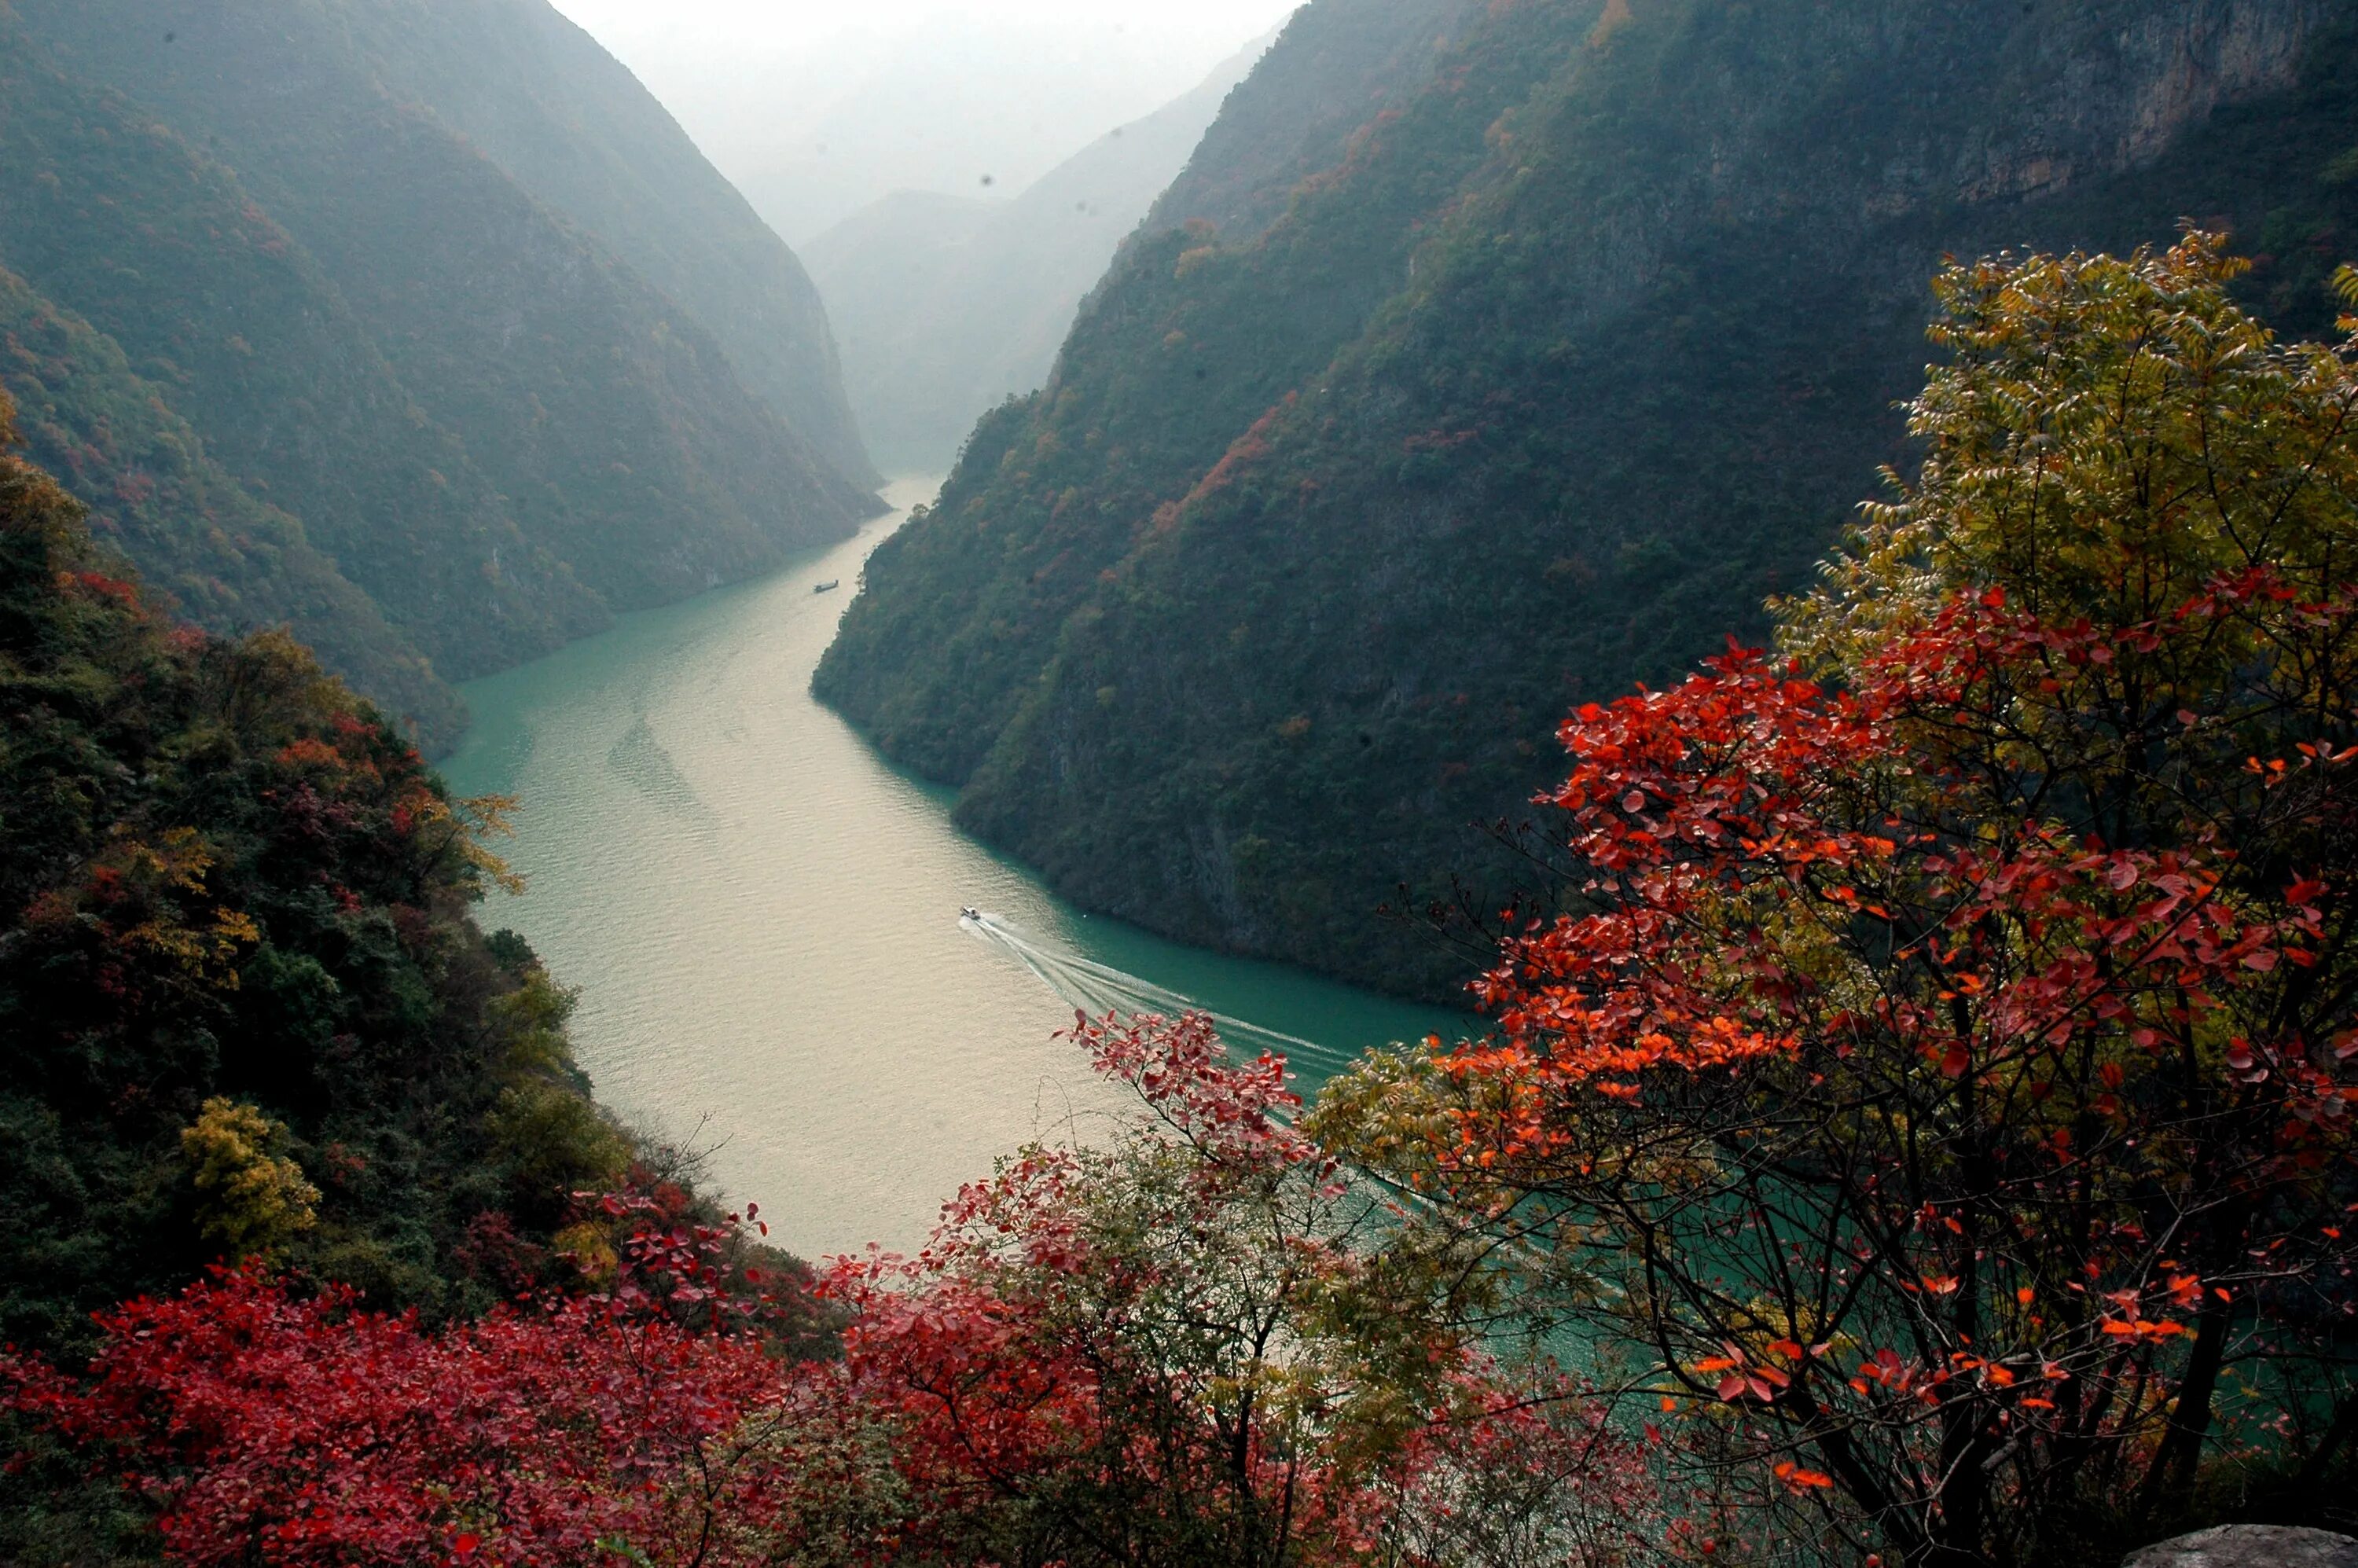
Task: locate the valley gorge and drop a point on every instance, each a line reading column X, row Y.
column 1484, row 361
column 1553, row 784
column 435, row 293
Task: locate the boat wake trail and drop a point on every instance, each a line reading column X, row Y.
column 1098, row 988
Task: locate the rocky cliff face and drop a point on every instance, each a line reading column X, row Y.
column 1584, row 341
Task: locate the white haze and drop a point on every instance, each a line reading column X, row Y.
column 815, row 110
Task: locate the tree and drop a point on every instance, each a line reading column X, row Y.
column 1197, row 1346
column 1205, row 1345
column 225, row 881
column 255, row 1197
column 1941, row 1092
column 635, row 1418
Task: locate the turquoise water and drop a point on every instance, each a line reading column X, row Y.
column 762, row 918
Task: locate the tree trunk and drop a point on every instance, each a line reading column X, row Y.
column 2190, row 1416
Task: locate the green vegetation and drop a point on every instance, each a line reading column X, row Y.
column 483, row 415
column 226, row 560
column 1535, row 383
column 246, row 1006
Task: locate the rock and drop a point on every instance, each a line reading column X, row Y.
column 2249, row 1546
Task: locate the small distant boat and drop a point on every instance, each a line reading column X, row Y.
column 830, row 584
column 969, row 913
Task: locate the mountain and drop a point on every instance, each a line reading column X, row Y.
column 394, row 264
column 211, row 548
column 812, row 111
column 944, row 305
column 223, row 880
column 1486, row 359
column 919, row 365
column 563, row 118
column 110, row 219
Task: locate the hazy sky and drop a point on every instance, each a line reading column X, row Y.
column 816, row 107
column 760, row 19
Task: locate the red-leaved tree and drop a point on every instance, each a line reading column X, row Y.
column 1938, row 1096
column 1205, row 1345
column 1198, row 1345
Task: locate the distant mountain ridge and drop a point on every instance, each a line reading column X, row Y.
column 1486, row 359
column 944, row 305
column 378, row 256
column 582, row 134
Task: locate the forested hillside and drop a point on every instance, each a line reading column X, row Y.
column 226, row 558
column 224, row 877
column 537, row 96
column 946, row 305
column 1488, row 359
column 442, row 285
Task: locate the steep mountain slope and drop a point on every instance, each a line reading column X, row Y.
column 220, row 877
column 965, row 604
column 1505, row 361
column 1345, row 64
column 490, row 421
column 117, row 219
column 944, row 305
column 562, row 117
column 225, row 560
column 615, row 422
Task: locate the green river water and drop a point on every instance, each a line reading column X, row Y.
column 762, row 918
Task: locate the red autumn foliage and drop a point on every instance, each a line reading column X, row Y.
column 1131, row 1347
column 2016, row 1137
column 308, row 1430
column 1021, row 1390
column 274, row 1425
column 1944, row 1062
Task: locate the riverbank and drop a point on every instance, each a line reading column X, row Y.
column 762, row 917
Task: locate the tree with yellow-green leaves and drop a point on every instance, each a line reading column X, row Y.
column 236, row 936
column 1940, row 1105
column 252, row 1199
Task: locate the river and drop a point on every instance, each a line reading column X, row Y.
column 762, row 918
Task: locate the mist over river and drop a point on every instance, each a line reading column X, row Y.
column 762, row 918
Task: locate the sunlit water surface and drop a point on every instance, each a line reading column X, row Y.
column 762, row 918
